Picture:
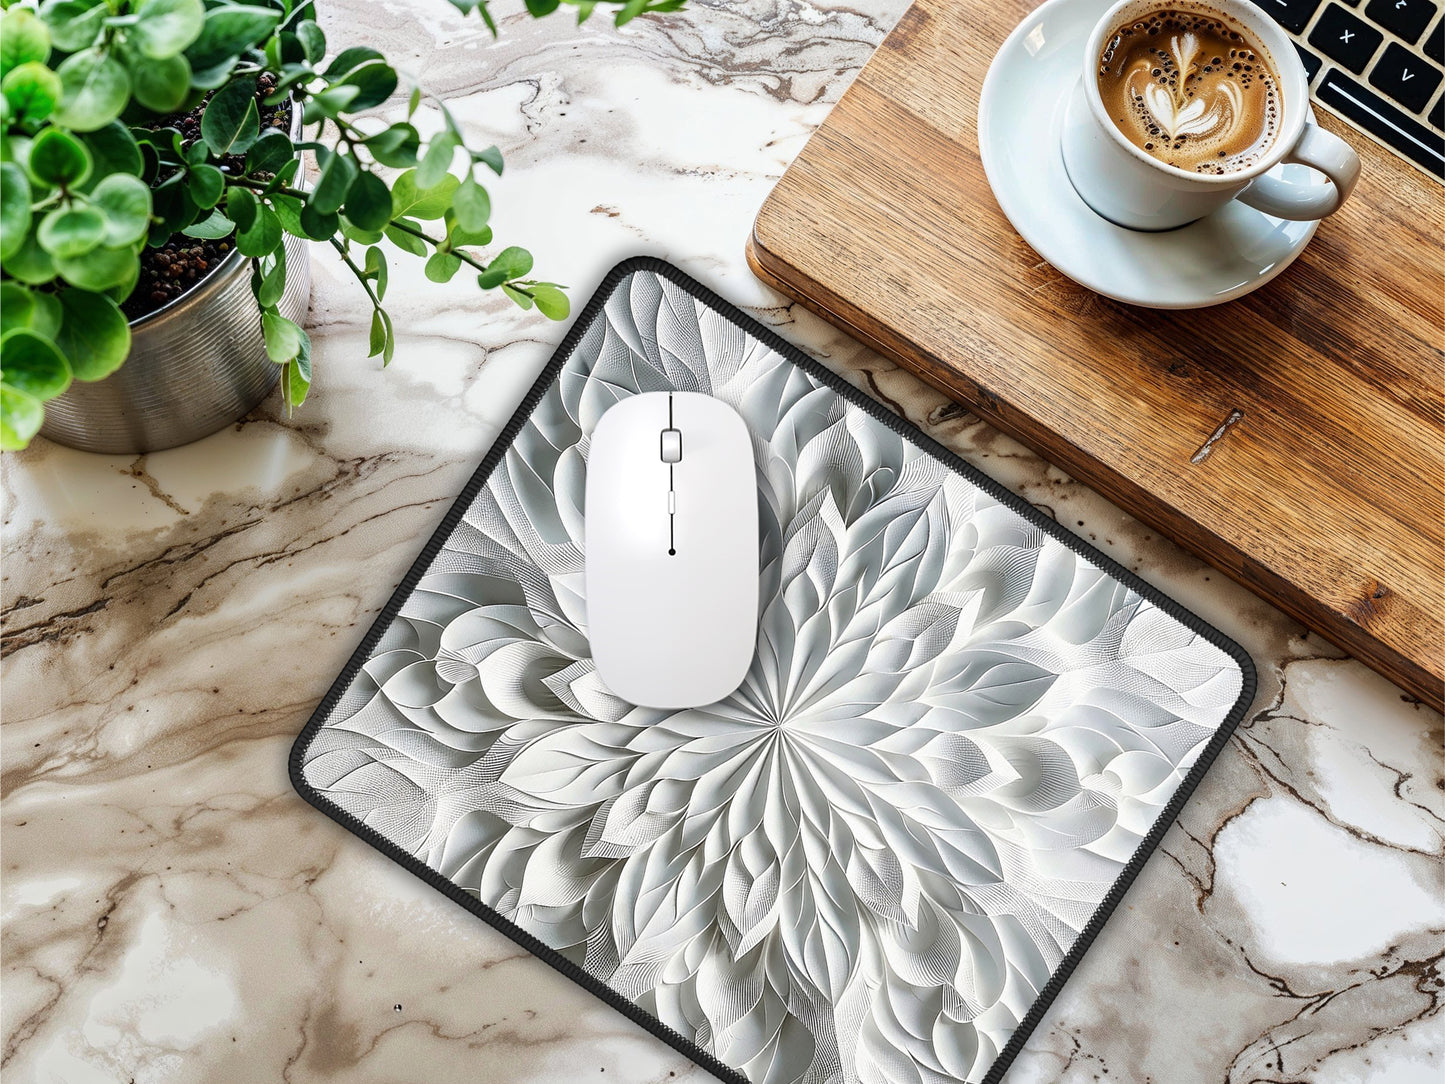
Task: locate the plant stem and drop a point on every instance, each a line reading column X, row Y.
column 396, row 223
column 260, row 186
column 458, row 253
column 358, row 272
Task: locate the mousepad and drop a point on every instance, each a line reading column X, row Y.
column 962, row 733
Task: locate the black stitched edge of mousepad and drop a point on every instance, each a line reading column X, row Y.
column 768, row 338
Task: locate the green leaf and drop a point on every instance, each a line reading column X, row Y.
column 273, row 279
column 95, row 87
column 288, row 210
column 204, row 79
column 442, row 266
column 385, row 334
column 378, row 333
column 166, row 142
column 352, row 232
column 376, row 269
column 539, row 8
column 629, row 11
column 375, row 83
column 269, row 153
column 114, row 150
column 21, row 416
column 125, row 202
column 71, row 231
column 94, row 334
column 165, row 27
column 411, row 199
column 407, row 242
column 171, row 207
column 491, row 157
column 338, row 171
column 319, row 225
column 472, row 206
column 395, row 146
column 296, row 375
column 412, row 102
column 294, row 386
column 510, row 263
column 24, row 39
column 460, row 238
column 58, row 159
column 212, row 228
column 14, row 209
column 263, row 236
column 206, row 185
column 328, row 103
column 283, row 176
column 480, row 6
column 584, row 10
column 436, row 161
column 368, row 202
column 522, row 299
column 231, row 123
column 283, row 337
column 74, row 24
column 22, row 307
column 122, row 289
column 229, row 30
column 313, row 40
column 33, row 364
column 241, row 207
column 100, row 268
column 350, row 59
column 32, row 91
column 14, row 147
column 161, row 85
column 551, row 302
column 29, row 262
column 286, row 52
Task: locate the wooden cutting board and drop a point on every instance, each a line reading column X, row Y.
column 1298, row 444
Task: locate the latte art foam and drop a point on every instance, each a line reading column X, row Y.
column 1191, row 90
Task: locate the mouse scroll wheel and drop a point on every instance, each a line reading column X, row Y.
column 671, row 445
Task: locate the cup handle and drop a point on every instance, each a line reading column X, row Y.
column 1327, row 153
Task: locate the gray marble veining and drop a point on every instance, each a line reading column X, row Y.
column 173, row 912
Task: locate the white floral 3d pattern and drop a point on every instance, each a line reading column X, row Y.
column 865, row 864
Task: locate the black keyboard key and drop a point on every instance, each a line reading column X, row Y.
column 1377, row 116
column 1408, row 18
column 1346, row 38
column 1405, row 77
column 1435, row 43
column 1293, row 15
column 1312, row 63
column 1437, row 115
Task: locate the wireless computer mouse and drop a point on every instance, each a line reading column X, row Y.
column 671, row 549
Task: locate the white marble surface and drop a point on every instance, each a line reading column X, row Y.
column 174, row 912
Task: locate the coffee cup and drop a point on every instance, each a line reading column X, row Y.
column 1139, row 188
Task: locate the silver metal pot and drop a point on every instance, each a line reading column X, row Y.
column 195, row 366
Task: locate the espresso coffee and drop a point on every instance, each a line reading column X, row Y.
column 1189, row 88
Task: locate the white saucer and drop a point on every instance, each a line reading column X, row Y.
column 1222, row 256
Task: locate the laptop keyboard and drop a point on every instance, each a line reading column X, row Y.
column 1378, row 64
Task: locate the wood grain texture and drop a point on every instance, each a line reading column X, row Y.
column 1294, row 438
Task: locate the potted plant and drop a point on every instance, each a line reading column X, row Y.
column 153, row 208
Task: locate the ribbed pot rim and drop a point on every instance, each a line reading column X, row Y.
column 197, row 293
